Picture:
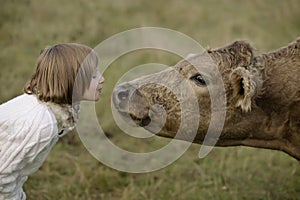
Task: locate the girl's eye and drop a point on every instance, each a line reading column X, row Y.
column 96, row 74
column 199, row 80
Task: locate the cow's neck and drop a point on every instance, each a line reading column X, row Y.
column 270, row 124
column 261, row 130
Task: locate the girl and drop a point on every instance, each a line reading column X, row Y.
column 32, row 123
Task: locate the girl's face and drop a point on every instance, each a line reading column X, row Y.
column 93, row 92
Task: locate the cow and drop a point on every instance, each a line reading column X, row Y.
column 261, row 98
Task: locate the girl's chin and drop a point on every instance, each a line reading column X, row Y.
column 97, row 98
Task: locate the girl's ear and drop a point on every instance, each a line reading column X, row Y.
column 243, row 86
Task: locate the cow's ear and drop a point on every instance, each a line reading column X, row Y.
column 243, row 87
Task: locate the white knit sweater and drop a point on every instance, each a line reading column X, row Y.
column 28, row 130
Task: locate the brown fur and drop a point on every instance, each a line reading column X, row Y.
column 262, row 92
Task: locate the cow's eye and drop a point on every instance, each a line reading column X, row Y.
column 198, row 79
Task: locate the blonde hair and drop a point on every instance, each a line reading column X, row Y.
column 63, row 73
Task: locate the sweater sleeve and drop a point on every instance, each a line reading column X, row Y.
column 25, row 142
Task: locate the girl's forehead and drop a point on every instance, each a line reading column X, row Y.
column 97, row 72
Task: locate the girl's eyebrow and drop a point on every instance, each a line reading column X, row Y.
column 96, row 73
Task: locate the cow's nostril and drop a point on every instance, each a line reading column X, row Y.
column 123, row 95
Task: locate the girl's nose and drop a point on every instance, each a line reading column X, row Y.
column 101, row 80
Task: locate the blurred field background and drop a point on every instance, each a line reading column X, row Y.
column 70, row 172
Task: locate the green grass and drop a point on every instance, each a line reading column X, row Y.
column 70, row 172
column 227, row 173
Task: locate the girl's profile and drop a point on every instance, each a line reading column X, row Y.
column 31, row 124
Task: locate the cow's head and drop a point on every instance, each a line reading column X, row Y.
column 159, row 101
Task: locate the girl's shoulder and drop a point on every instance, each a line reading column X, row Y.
column 23, row 106
column 25, row 111
column 20, row 106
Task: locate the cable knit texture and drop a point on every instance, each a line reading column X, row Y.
column 28, row 130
